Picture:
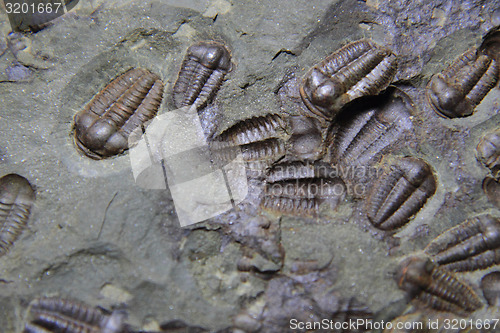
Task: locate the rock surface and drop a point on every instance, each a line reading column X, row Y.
column 96, row 236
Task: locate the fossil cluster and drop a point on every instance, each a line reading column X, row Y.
column 351, row 122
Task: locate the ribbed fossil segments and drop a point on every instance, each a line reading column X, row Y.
column 472, row 245
column 400, row 193
column 253, row 129
column 102, row 128
column 363, row 133
column 16, row 199
column 488, row 152
column 456, row 91
column 358, row 69
column 299, row 188
column 51, row 314
column 201, row 75
column 437, row 288
column 260, row 140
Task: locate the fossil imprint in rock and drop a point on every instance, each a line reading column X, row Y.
column 103, row 127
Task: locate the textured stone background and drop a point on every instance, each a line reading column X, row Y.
column 97, row 237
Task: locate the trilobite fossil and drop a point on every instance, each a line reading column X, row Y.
column 358, row 69
column 472, row 245
column 368, row 128
column 400, row 193
column 456, row 91
column 260, row 140
column 488, row 152
column 306, row 139
column 51, row 314
column 299, row 188
column 102, row 128
column 201, row 75
column 435, row 287
column 16, row 200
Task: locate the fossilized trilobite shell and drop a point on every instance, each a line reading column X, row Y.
column 102, row 128
column 358, row 69
column 306, row 140
column 365, row 130
column 435, row 287
column 400, row 193
column 488, row 152
column 16, row 199
column 260, row 140
column 299, row 188
column 457, row 90
column 201, row 75
column 473, row 244
column 52, row 314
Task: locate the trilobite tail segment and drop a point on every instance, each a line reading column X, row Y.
column 457, row 90
column 435, row 287
column 299, row 188
column 400, row 193
column 16, row 199
column 488, row 152
column 358, row 69
column 260, row 140
column 50, row 314
column 363, row 133
column 102, row 128
column 472, row 245
column 201, row 75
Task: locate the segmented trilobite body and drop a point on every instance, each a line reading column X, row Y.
column 490, row 284
column 16, row 199
column 488, row 152
column 358, row 69
column 300, row 170
column 299, row 188
column 400, row 193
column 306, row 139
column 201, row 75
column 260, row 140
column 457, row 90
column 253, row 129
column 102, row 128
column 366, row 130
column 474, row 244
column 435, row 287
column 50, row 314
